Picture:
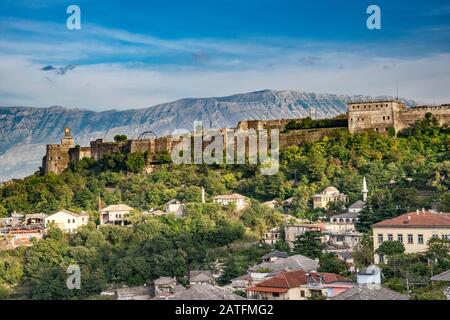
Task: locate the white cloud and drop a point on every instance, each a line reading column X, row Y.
column 127, row 76
column 105, row 86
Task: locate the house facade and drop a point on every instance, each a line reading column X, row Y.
column 237, row 199
column 327, row 196
column 413, row 229
column 115, row 214
column 67, row 221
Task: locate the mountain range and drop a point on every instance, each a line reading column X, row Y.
column 24, row 131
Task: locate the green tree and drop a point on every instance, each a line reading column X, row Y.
column 309, row 244
column 120, row 137
column 330, row 263
column 390, row 248
column 136, row 162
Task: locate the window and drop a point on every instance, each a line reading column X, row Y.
column 68, row 220
column 410, row 239
column 380, row 238
column 400, row 238
column 390, row 237
column 275, row 294
column 381, row 258
column 420, row 238
column 73, row 220
column 302, row 293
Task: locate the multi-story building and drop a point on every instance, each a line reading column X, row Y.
column 413, row 229
column 115, row 214
column 237, row 199
column 327, row 196
column 67, row 221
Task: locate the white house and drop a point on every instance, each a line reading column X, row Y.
column 369, row 276
column 115, row 214
column 174, row 206
column 237, row 199
column 67, row 221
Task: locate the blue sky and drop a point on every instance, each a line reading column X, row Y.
column 140, row 53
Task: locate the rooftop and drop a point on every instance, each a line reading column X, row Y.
column 283, row 281
column 444, row 276
column 358, row 205
column 416, row 220
column 233, row 196
column 292, row 263
column 200, row 276
column 204, row 291
column 117, row 207
column 164, row 281
column 275, row 253
column 370, row 293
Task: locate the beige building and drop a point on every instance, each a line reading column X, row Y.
column 379, row 116
column 115, row 214
column 327, row 196
column 413, row 229
column 67, row 221
column 237, row 199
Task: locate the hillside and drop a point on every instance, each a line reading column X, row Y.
column 25, row 131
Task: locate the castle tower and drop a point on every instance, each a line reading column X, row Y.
column 364, row 190
column 67, row 139
column 57, row 158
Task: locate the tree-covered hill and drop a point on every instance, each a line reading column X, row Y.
column 404, row 173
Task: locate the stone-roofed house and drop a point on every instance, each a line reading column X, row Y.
column 413, row 229
column 175, row 207
column 357, row 207
column 115, row 214
column 274, row 255
column 292, row 263
column 271, row 236
column 200, row 276
column 444, row 277
column 133, row 293
column 237, row 199
column 369, row 287
column 370, row 293
column 67, row 221
column 204, row 291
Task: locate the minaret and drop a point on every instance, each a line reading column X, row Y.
column 364, row 190
column 203, row 195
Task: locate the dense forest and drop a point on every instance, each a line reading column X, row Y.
column 404, row 173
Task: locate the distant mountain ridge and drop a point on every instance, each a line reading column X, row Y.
column 24, row 131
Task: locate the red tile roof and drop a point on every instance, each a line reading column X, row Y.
column 292, row 279
column 416, row 220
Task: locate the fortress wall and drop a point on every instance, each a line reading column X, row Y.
column 298, row 137
column 372, row 116
column 77, row 154
column 99, row 148
column 57, row 158
column 410, row 116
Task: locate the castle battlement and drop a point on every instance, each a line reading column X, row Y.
column 377, row 116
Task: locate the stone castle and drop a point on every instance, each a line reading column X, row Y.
column 376, row 116
column 379, row 116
